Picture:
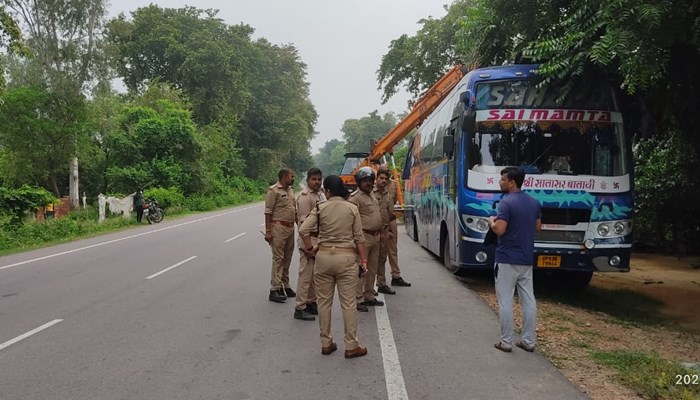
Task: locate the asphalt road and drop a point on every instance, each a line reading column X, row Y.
column 179, row 310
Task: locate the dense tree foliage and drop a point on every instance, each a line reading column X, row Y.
column 330, row 157
column 359, row 133
column 255, row 91
column 37, row 139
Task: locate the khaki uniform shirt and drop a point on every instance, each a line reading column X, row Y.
column 306, row 201
column 386, row 208
column 279, row 202
column 369, row 210
column 340, row 223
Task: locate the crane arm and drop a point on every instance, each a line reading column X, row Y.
column 421, row 109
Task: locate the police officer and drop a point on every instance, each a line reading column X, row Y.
column 339, row 236
column 386, row 208
column 390, row 248
column 306, row 307
column 280, row 214
column 371, row 217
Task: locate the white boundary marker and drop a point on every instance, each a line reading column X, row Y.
column 170, row 267
column 395, row 385
column 28, row 334
column 234, row 238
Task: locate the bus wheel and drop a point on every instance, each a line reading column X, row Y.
column 446, row 255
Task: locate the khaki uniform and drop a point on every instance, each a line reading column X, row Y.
column 279, row 203
column 340, row 228
column 371, row 217
column 306, row 292
column 390, row 248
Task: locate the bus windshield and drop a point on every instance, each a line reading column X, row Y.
column 519, row 124
column 564, row 148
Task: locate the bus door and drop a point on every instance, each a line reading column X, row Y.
column 451, row 150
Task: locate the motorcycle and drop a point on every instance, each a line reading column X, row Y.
column 153, row 213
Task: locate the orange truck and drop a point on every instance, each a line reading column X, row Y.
column 421, row 109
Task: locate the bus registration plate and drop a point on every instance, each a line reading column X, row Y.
column 549, row 261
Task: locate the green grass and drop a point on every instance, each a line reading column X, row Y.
column 627, row 306
column 649, row 375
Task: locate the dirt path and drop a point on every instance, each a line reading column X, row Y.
column 570, row 332
column 669, row 279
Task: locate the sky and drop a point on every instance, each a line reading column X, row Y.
column 341, row 42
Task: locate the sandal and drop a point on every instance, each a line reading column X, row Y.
column 503, row 348
column 522, row 346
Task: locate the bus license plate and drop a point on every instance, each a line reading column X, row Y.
column 549, row 261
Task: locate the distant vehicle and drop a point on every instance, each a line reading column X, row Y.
column 575, row 153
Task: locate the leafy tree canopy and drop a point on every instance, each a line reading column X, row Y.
column 358, row 133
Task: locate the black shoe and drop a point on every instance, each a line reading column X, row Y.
column 399, row 282
column 303, row 315
column 373, row 302
column 277, row 296
column 386, row 290
column 289, row 292
column 375, row 293
column 312, row 308
column 361, row 307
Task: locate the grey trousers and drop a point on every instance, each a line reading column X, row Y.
column 508, row 278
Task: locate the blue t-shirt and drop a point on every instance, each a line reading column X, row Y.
column 521, row 212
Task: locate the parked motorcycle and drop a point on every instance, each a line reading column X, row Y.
column 153, row 213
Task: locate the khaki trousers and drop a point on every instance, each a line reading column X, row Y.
column 365, row 287
column 331, row 269
column 389, row 249
column 282, row 245
column 306, row 290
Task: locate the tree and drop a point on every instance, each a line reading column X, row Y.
column 358, row 133
column 189, row 48
column 64, row 36
column 38, row 135
column 329, row 160
column 10, row 38
column 279, row 123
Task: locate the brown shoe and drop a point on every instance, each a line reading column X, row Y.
column 329, row 349
column 356, row 352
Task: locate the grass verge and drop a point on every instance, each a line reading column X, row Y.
column 651, row 376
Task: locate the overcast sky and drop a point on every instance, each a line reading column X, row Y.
column 341, row 42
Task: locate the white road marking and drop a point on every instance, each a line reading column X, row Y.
column 235, row 237
column 120, row 239
column 395, row 385
column 171, row 267
column 28, row 334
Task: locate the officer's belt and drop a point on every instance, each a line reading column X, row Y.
column 371, row 232
column 334, row 249
column 284, row 223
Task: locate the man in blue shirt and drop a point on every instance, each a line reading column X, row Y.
column 515, row 224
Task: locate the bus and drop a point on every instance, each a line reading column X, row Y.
column 574, row 151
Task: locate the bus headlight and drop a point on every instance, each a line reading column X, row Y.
column 619, row 228
column 614, row 261
column 481, row 256
column 589, row 244
column 482, row 224
column 603, row 229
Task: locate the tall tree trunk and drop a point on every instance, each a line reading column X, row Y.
column 73, row 190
